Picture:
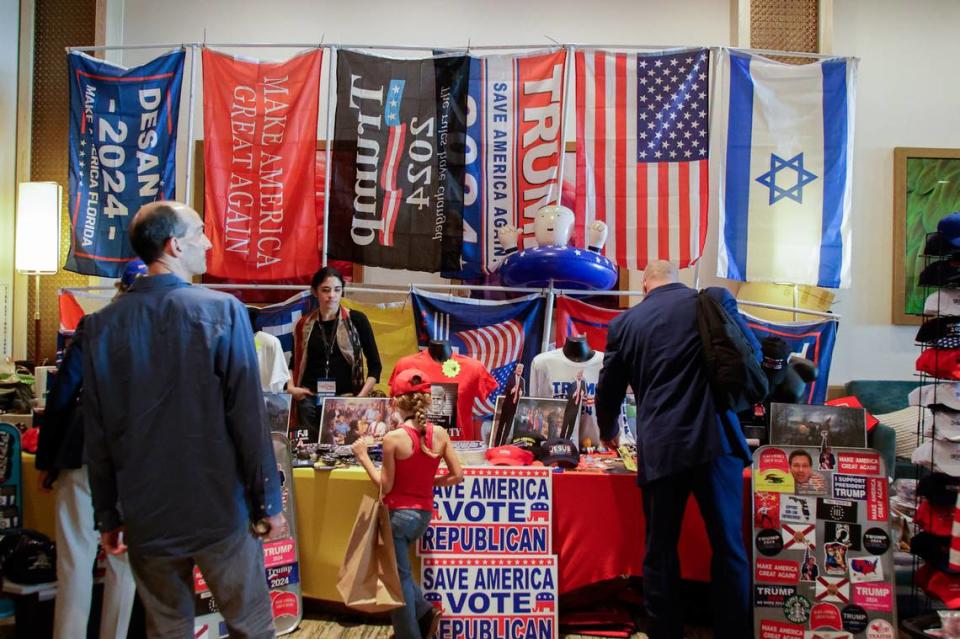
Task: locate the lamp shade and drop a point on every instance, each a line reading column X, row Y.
column 38, row 227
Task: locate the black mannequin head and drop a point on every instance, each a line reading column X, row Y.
column 576, row 348
column 440, row 350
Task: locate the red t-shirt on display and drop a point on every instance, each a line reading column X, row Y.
column 472, row 380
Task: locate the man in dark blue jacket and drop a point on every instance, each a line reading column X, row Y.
column 181, row 462
column 684, row 445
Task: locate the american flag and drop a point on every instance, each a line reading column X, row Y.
column 388, row 176
column 642, row 152
column 497, row 347
column 497, row 333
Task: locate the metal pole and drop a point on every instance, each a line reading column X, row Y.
column 563, row 122
column 190, row 113
column 547, row 319
column 36, row 323
column 796, row 300
column 493, row 47
column 458, row 287
column 331, row 78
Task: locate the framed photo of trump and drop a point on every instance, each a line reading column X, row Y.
column 926, row 189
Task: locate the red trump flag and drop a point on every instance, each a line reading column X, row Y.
column 260, row 125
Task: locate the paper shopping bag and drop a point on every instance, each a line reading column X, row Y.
column 368, row 579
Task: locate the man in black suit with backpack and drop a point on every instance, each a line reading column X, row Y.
column 685, row 444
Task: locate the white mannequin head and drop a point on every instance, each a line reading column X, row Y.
column 553, row 225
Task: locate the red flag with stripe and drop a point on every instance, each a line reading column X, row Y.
column 642, row 152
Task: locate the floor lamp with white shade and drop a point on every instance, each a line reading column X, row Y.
column 38, row 240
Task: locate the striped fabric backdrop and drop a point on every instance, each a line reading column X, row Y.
column 642, row 152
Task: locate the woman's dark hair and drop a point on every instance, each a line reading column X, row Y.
column 322, row 274
column 153, row 225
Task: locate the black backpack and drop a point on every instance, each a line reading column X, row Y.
column 735, row 375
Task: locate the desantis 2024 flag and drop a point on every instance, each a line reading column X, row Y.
column 515, row 106
column 260, row 120
column 398, row 158
column 123, row 142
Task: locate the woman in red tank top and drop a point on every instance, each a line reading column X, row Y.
column 411, row 456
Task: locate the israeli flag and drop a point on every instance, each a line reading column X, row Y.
column 785, row 143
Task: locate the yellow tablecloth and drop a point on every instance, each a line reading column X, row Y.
column 326, row 505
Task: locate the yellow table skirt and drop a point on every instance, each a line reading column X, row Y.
column 326, row 505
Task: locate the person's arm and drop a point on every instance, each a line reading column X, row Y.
column 100, row 468
column 383, row 476
column 454, row 469
column 370, row 352
column 236, row 363
column 611, row 389
column 61, row 401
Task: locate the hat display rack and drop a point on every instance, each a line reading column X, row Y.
column 929, row 505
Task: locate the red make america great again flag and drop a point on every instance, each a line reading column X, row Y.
column 260, row 124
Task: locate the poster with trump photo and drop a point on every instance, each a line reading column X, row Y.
column 123, row 143
column 493, row 596
column 514, row 110
column 398, row 161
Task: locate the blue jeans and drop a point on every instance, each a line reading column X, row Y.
column 408, row 526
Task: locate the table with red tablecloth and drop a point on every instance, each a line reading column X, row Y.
column 598, row 528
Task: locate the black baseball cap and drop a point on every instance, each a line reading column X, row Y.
column 939, row 246
column 530, row 441
column 560, row 452
column 940, row 273
column 942, row 332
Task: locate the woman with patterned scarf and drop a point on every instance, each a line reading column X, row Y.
column 329, row 345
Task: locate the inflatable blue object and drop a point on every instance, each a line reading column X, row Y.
column 567, row 266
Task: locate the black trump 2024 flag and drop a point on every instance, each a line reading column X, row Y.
column 398, row 162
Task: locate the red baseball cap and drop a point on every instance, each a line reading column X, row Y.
column 943, row 363
column 935, row 519
column 509, row 456
column 411, row 380
column 944, row 587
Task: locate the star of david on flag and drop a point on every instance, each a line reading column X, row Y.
column 785, row 142
column 497, row 333
column 778, row 191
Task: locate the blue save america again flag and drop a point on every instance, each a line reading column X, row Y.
column 123, row 143
column 498, row 334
